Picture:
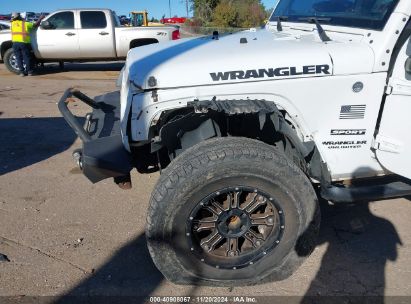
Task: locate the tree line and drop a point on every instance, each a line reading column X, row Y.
column 229, row 13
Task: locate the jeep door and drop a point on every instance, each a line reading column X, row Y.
column 393, row 141
column 60, row 39
column 96, row 35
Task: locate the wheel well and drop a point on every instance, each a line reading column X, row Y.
column 183, row 132
column 179, row 130
column 141, row 42
column 5, row 46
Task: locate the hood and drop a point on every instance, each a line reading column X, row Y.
column 244, row 57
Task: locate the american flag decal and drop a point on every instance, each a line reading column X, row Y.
column 353, row 112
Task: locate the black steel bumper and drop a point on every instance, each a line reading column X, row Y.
column 103, row 154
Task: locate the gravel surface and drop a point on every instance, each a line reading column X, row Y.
column 63, row 235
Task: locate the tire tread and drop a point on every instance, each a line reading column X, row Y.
column 194, row 160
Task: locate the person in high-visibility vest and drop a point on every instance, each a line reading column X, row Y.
column 20, row 32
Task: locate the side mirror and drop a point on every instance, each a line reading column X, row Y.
column 408, row 65
column 45, row 25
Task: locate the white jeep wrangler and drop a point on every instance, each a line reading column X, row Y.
column 245, row 127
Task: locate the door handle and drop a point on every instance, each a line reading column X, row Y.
column 103, row 33
column 70, row 34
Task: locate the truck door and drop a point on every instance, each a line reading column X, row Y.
column 96, row 35
column 393, row 141
column 59, row 40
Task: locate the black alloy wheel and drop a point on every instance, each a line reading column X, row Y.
column 235, row 227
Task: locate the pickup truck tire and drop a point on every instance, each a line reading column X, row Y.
column 231, row 211
column 10, row 61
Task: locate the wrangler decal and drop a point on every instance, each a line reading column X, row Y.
column 271, row 72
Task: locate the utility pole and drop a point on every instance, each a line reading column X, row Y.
column 169, row 7
column 187, row 8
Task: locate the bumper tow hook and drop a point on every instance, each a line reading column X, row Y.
column 77, row 156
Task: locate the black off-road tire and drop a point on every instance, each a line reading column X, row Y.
column 8, row 59
column 219, row 164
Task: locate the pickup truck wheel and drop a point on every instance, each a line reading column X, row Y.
column 10, row 61
column 231, row 211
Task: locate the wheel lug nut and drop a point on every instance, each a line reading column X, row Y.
column 270, row 220
column 206, row 247
column 258, row 243
column 231, row 253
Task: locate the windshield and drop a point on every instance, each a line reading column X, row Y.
column 370, row 14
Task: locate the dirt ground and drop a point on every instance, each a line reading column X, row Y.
column 63, row 235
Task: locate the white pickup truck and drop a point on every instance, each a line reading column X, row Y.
column 84, row 35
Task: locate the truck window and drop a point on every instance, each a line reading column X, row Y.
column 93, row 20
column 62, row 20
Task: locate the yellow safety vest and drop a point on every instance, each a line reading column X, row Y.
column 20, row 31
